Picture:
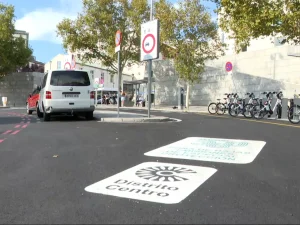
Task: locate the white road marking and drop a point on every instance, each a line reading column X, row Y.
column 211, row 149
column 154, row 182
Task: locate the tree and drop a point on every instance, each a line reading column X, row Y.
column 187, row 34
column 249, row 19
column 192, row 38
column 93, row 31
column 14, row 52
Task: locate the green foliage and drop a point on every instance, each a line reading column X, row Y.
column 247, row 19
column 14, row 52
column 190, row 35
column 93, row 32
column 187, row 34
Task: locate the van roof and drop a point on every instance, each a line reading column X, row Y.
column 68, row 70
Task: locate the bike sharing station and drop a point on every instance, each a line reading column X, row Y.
column 278, row 108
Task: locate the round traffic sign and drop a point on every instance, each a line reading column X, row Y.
column 148, row 43
column 228, row 66
column 118, row 38
column 67, row 66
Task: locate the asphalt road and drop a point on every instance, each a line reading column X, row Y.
column 46, row 166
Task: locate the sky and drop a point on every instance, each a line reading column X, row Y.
column 40, row 18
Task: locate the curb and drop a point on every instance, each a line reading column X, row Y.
column 4, row 107
column 136, row 120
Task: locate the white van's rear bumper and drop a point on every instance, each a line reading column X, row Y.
column 50, row 109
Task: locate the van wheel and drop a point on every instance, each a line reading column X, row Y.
column 46, row 116
column 89, row 116
column 29, row 112
column 38, row 112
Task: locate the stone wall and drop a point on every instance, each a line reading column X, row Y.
column 17, row 86
column 256, row 71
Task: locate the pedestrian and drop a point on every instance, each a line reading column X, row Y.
column 123, row 98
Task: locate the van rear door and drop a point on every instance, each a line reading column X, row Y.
column 70, row 89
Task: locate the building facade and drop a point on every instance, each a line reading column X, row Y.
column 23, row 34
column 102, row 76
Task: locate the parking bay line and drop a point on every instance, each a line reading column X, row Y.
column 266, row 122
column 249, row 120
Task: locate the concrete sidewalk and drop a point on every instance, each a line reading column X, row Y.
column 126, row 117
column 4, row 107
column 202, row 109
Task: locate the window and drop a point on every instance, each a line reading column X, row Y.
column 243, row 47
column 69, row 78
column 111, row 78
column 223, row 38
column 58, row 65
column 44, row 81
column 278, row 41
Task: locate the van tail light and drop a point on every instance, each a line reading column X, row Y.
column 92, row 95
column 48, row 95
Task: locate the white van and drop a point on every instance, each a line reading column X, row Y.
column 66, row 92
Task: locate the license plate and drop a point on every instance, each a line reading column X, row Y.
column 71, row 95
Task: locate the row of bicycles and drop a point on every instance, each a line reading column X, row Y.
column 255, row 107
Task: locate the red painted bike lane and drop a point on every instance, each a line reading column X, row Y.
column 24, row 122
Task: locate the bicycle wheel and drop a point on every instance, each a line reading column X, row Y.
column 248, row 111
column 212, row 107
column 234, row 110
column 221, row 108
column 294, row 114
column 258, row 112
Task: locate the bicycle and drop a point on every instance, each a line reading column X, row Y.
column 294, row 113
column 264, row 109
column 212, row 107
column 248, row 111
column 223, row 107
column 238, row 107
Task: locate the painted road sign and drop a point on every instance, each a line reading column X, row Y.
column 211, row 149
column 154, row 182
column 118, row 40
column 228, row 66
column 150, row 40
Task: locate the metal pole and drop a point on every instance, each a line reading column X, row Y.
column 150, row 68
column 118, row 82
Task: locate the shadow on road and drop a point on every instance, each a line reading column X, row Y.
column 5, row 120
column 65, row 118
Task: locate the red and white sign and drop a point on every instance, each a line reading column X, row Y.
column 150, row 40
column 69, row 62
column 118, row 40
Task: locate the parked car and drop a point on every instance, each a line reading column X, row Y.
column 66, row 92
column 32, row 101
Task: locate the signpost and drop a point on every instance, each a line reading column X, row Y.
column 118, row 40
column 150, row 48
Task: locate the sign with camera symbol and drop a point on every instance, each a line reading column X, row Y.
column 150, row 40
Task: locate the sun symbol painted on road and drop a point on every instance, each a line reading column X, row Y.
column 164, row 173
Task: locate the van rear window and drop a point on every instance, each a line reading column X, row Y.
column 70, row 78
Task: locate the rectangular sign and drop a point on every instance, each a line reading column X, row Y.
column 118, row 48
column 150, row 40
column 211, row 149
column 154, row 182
